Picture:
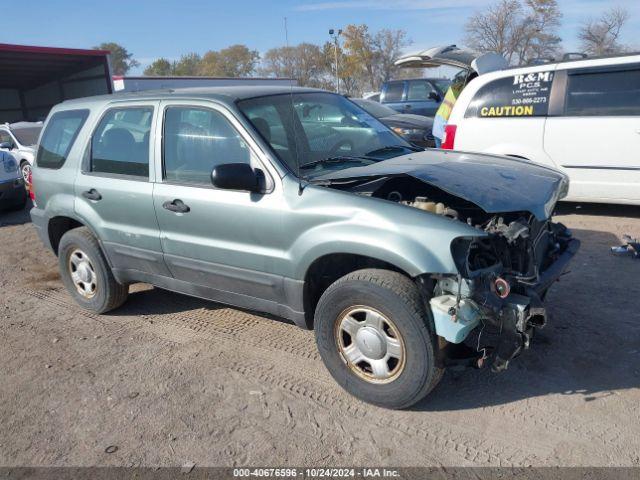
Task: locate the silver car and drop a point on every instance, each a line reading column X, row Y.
column 298, row 203
column 19, row 139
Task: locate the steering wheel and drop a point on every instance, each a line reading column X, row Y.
column 339, row 146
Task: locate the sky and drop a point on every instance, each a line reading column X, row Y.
column 169, row 28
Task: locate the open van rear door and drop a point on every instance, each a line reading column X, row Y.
column 454, row 57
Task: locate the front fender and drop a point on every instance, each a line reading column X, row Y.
column 412, row 240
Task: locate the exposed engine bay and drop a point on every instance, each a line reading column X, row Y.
column 488, row 313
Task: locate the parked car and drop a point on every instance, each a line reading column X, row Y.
column 20, row 139
column 413, row 128
column 13, row 196
column 579, row 116
column 421, row 96
column 298, row 203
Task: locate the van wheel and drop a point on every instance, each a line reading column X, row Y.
column 86, row 274
column 372, row 331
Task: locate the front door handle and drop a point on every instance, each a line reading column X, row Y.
column 92, row 194
column 177, row 206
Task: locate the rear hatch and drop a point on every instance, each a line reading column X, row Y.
column 453, row 56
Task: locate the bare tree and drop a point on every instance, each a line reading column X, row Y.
column 519, row 31
column 600, row 37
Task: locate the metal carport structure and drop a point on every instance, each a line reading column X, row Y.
column 34, row 79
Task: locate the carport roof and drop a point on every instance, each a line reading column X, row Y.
column 24, row 66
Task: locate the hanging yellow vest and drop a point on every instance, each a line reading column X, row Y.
column 444, row 112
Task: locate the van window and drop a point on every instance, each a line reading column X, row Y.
column 120, row 143
column 419, row 90
column 195, row 141
column 520, row 95
column 394, row 91
column 610, row 93
column 58, row 138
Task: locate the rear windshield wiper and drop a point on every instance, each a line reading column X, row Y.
column 394, row 148
column 337, row 159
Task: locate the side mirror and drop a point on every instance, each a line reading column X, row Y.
column 236, row 176
column 6, row 146
column 434, row 96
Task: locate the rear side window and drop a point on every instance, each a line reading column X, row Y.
column 58, row 137
column 195, row 141
column 612, row 93
column 394, row 92
column 521, row 95
column 419, row 90
column 120, row 143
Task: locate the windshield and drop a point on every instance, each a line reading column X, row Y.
column 374, row 108
column 27, row 136
column 322, row 131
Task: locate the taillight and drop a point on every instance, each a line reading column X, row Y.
column 32, row 192
column 449, row 137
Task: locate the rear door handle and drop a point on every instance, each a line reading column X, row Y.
column 92, row 194
column 177, row 206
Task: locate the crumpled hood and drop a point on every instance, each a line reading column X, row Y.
column 494, row 183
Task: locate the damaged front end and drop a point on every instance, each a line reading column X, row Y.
column 490, row 310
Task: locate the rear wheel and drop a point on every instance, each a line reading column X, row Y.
column 25, row 169
column 372, row 331
column 86, row 274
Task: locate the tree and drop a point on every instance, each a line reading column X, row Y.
column 160, row 67
column 121, row 60
column 600, row 37
column 188, row 65
column 520, row 32
column 233, row 61
column 304, row 62
column 372, row 57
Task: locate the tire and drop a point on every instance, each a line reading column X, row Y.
column 406, row 320
column 80, row 250
column 25, row 168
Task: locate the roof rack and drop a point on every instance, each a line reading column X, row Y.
column 574, row 56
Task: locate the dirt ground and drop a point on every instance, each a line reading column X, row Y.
column 172, row 380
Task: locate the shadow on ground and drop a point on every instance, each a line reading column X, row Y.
column 16, row 217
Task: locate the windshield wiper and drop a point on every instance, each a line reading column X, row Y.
column 394, row 148
column 337, row 159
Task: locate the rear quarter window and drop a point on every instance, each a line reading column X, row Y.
column 59, row 136
column 393, row 92
column 520, row 95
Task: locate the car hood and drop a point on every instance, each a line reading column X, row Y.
column 494, row 183
column 408, row 120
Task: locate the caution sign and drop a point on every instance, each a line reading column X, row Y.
column 522, row 95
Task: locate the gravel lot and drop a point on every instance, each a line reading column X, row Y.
column 169, row 379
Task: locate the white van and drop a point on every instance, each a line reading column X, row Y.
column 579, row 116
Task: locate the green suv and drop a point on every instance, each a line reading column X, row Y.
column 298, row 203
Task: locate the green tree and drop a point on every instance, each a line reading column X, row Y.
column 188, row 65
column 233, row 61
column 160, row 67
column 304, row 62
column 121, row 60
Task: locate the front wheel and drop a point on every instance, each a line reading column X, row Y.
column 373, row 334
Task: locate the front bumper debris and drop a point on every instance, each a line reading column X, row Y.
column 494, row 329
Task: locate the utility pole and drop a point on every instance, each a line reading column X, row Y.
column 335, row 36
